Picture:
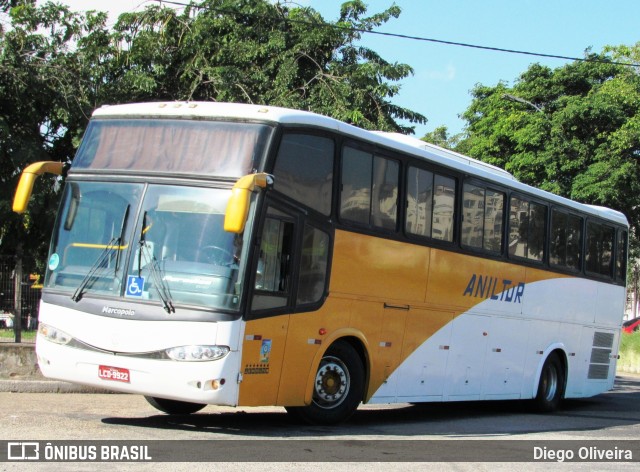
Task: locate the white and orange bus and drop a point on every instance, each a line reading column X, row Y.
column 230, row 254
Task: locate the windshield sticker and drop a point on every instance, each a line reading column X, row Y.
column 54, row 261
column 135, row 286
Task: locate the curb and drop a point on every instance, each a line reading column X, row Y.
column 47, row 386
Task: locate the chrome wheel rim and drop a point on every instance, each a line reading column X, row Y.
column 332, row 383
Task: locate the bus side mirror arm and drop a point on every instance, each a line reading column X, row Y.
column 28, row 179
column 238, row 207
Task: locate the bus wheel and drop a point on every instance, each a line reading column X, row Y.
column 338, row 387
column 174, row 407
column 551, row 385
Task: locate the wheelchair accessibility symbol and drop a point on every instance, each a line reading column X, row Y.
column 135, row 286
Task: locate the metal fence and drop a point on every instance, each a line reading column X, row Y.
column 30, row 302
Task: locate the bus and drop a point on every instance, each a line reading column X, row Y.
column 246, row 255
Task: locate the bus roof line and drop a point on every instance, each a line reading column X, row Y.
column 425, row 146
column 408, row 144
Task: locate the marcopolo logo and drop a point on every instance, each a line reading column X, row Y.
column 109, row 310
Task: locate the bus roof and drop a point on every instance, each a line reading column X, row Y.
column 395, row 141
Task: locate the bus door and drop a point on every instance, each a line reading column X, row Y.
column 291, row 267
column 268, row 320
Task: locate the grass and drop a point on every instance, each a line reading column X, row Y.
column 7, row 335
column 630, row 342
column 629, row 352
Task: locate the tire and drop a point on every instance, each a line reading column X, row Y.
column 174, row 407
column 551, row 385
column 338, row 387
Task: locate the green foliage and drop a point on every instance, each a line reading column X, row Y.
column 629, row 353
column 6, row 5
column 441, row 137
column 574, row 130
column 630, row 342
column 57, row 66
column 42, row 108
column 254, row 51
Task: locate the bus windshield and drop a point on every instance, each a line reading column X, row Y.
column 176, row 253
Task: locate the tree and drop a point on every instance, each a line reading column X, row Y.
column 57, row 66
column 6, row 5
column 42, row 114
column 254, row 51
column 573, row 130
column 441, row 137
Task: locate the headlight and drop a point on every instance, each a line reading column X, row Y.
column 53, row 334
column 197, row 353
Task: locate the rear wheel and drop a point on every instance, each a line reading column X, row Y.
column 338, row 387
column 174, row 407
column 551, row 385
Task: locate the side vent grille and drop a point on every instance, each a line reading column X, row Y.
column 600, row 356
column 603, row 340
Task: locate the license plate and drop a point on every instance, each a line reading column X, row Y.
column 113, row 373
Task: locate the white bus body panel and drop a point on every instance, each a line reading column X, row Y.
column 186, row 381
column 496, row 350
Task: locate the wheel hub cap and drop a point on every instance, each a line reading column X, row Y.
column 332, row 383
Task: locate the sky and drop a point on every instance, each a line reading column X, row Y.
column 444, row 75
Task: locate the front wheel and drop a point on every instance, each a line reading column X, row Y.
column 338, row 387
column 174, row 407
column 551, row 385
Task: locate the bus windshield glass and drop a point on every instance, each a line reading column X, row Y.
column 221, row 149
column 153, row 243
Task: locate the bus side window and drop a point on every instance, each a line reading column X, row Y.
column 527, row 229
column 304, row 170
column 273, row 273
column 482, row 218
column 369, row 189
column 314, row 262
column 565, row 240
column 599, row 249
column 621, row 256
column 430, row 204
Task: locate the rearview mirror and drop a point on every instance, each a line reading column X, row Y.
column 238, row 207
column 28, row 179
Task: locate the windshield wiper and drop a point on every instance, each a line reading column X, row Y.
column 158, row 280
column 123, row 226
column 97, row 265
column 103, row 257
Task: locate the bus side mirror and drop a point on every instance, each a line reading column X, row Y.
column 28, row 179
column 237, row 211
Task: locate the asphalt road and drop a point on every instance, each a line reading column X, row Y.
column 613, row 417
